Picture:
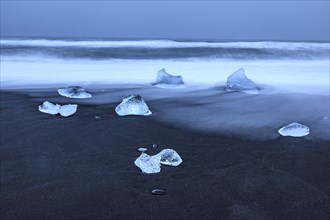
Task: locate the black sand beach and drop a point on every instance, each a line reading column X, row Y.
column 83, row 168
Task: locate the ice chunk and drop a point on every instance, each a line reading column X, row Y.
column 133, row 105
column 148, row 164
column 164, row 78
column 74, row 92
column 67, row 110
column 158, row 192
column 53, row 109
column 238, row 81
column 294, row 130
column 169, row 157
column 151, row 164
column 142, row 149
column 49, row 108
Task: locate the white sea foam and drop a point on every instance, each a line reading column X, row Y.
column 162, row 44
column 308, row 76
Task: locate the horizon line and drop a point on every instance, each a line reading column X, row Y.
column 164, row 38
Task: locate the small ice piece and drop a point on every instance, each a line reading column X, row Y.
column 169, row 157
column 148, row 164
column 164, row 78
column 238, row 81
column 75, row 92
column 133, row 105
column 49, row 108
column 154, row 145
column 142, row 149
column 158, row 192
column 325, row 117
column 53, row 109
column 97, row 117
column 294, row 130
column 67, row 110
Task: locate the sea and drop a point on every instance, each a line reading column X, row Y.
column 41, row 61
column 293, row 78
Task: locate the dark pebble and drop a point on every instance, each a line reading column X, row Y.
column 158, row 192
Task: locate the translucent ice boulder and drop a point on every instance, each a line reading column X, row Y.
column 133, row 105
column 294, row 130
column 163, row 78
column 53, row 109
column 147, row 163
column 169, row 157
column 67, row 110
column 74, row 92
column 151, row 164
column 49, row 108
column 238, row 81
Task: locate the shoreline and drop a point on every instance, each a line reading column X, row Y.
column 209, row 109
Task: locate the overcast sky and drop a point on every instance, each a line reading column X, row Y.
column 223, row 20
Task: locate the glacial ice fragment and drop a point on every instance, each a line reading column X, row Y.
column 147, row 163
column 169, row 157
column 151, row 164
column 238, row 81
column 74, row 92
column 49, row 108
column 67, row 110
column 53, row 109
column 164, row 78
column 133, row 105
column 294, row 130
column 158, row 192
column 142, row 149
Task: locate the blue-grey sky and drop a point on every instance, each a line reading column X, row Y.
column 226, row 20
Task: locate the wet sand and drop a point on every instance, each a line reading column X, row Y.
column 83, row 168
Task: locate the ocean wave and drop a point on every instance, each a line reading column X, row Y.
column 160, row 49
column 138, row 53
column 162, row 44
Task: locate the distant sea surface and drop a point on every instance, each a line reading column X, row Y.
column 160, row 49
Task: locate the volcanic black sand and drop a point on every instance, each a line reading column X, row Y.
column 81, row 167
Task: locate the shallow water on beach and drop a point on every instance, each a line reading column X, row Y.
column 293, row 78
column 213, row 110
